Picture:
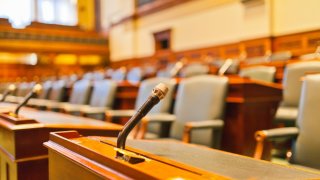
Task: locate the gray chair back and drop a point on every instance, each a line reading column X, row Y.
column 280, row 56
column 199, row 98
column 163, row 106
column 292, row 81
column 135, row 75
column 194, row 70
column 58, row 90
column 145, row 90
column 119, row 74
column 306, row 150
column 103, row 93
column 262, row 73
column 81, row 92
column 24, row 88
column 46, row 88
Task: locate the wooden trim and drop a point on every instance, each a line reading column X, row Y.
column 150, row 8
column 157, row 5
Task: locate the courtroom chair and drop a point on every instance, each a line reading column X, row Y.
column 262, row 73
column 287, row 112
column 160, row 111
column 46, row 88
column 311, row 56
column 257, row 60
column 135, row 75
column 23, row 89
column 88, row 76
column 119, row 74
column 231, row 65
column 108, row 73
column 3, row 87
column 101, row 99
column 97, row 75
column 165, row 73
column 172, row 69
column 149, row 70
column 280, row 56
column 80, row 94
column 194, row 69
column 306, row 145
column 56, row 94
column 198, row 110
column 43, row 95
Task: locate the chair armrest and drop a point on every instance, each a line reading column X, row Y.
column 93, row 110
column 154, row 118
column 189, row 126
column 69, row 108
column 205, row 124
column 118, row 113
column 289, row 132
column 271, row 134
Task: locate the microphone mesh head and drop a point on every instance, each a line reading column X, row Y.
column 12, row 87
column 160, row 90
column 37, row 88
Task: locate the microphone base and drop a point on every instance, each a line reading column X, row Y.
column 130, row 157
column 16, row 119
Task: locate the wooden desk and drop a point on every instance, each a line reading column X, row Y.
column 251, row 106
column 22, row 154
column 72, row 156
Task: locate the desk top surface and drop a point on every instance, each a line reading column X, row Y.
column 220, row 162
column 57, row 120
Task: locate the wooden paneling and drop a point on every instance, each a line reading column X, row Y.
column 250, row 48
column 52, row 38
column 298, row 44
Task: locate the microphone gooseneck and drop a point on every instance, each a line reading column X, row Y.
column 158, row 93
column 225, row 66
column 36, row 89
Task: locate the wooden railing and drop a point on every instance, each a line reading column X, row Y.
column 51, row 38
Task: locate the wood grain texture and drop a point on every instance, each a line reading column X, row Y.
column 21, row 145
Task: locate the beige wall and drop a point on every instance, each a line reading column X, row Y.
column 203, row 23
column 292, row 16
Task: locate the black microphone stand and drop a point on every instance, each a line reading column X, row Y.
column 158, row 93
column 36, row 89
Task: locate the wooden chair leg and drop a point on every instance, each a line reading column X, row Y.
column 143, row 128
column 260, row 137
column 186, row 134
column 108, row 117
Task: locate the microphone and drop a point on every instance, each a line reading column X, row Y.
column 177, row 67
column 157, row 94
column 225, row 66
column 9, row 90
column 35, row 91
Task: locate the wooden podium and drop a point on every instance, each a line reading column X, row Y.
column 72, row 156
column 251, row 106
column 22, row 154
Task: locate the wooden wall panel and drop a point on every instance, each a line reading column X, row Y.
column 298, row 44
